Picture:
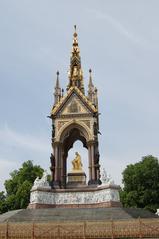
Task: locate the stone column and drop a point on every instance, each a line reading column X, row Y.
column 93, row 167
column 59, row 163
column 56, row 162
column 56, row 182
column 62, row 166
column 64, row 170
column 92, row 172
column 90, row 162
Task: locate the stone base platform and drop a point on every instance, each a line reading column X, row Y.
column 59, row 215
column 76, row 179
column 99, row 205
column 86, row 197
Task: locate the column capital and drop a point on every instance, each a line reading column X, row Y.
column 90, row 142
column 57, row 143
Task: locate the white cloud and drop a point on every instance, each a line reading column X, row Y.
column 6, row 166
column 19, row 140
column 23, row 145
column 119, row 27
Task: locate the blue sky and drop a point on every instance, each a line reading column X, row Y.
column 119, row 40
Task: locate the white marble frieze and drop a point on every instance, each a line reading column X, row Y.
column 90, row 197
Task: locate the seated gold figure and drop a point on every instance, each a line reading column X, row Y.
column 77, row 164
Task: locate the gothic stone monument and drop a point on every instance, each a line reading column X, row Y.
column 74, row 117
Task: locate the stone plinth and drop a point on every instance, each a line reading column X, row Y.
column 76, row 179
column 86, row 197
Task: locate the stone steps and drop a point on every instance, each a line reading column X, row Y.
column 75, row 214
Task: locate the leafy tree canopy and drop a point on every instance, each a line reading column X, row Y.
column 18, row 187
column 141, row 184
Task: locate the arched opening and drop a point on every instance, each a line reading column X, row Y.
column 69, row 137
column 78, row 147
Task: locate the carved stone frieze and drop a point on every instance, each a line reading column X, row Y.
column 89, row 197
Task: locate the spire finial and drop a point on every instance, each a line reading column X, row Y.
column 75, row 34
column 57, row 80
column 90, row 78
column 75, row 72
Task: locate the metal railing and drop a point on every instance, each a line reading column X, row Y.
column 135, row 228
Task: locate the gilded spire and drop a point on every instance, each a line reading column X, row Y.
column 75, row 73
column 75, row 47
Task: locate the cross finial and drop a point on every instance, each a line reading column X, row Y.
column 75, row 33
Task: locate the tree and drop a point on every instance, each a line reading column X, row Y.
column 18, row 187
column 2, row 202
column 141, row 184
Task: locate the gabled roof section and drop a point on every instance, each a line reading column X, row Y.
column 65, row 98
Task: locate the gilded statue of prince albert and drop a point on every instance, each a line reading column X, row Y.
column 77, row 164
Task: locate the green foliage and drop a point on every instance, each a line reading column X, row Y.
column 18, row 187
column 141, row 184
column 2, row 202
column 23, row 194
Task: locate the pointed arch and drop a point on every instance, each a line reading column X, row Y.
column 73, row 124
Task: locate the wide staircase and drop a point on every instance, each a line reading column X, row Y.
column 75, row 214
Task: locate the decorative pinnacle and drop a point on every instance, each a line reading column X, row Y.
column 75, row 33
column 90, row 74
column 90, row 78
column 57, row 80
column 62, row 92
